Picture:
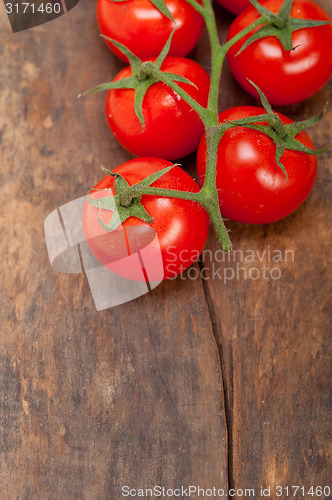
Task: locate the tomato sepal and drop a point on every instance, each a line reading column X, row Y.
column 144, row 74
column 280, row 25
column 282, row 135
column 125, row 202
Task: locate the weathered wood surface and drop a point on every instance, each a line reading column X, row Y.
column 274, row 333
column 90, row 401
column 138, row 395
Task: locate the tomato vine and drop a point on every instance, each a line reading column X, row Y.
column 147, row 73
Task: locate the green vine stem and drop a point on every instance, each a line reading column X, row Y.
column 225, row 48
column 218, row 51
column 208, row 195
column 137, row 190
column 151, row 70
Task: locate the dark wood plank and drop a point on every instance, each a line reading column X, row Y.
column 273, row 334
column 89, row 401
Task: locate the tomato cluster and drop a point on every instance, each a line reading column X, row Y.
column 251, row 185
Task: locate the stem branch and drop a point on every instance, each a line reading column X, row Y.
column 207, row 198
column 200, row 110
column 212, row 208
column 242, row 33
column 137, row 190
column 208, row 195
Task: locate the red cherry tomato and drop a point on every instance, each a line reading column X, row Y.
column 144, row 30
column 235, row 6
column 181, row 226
column 250, row 183
column 285, row 77
column 172, row 129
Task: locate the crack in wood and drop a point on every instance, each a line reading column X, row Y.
column 228, row 405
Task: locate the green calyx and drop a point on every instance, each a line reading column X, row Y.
column 143, row 75
column 282, row 135
column 126, row 202
column 280, row 25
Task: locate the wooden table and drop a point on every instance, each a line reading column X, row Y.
column 214, row 383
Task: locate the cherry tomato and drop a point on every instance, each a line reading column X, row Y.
column 181, row 226
column 250, row 183
column 144, row 30
column 172, row 129
column 285, row 77
column 235, row 6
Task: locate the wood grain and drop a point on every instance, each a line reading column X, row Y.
column 141, row 394
column 274, row 332
column 90, row 401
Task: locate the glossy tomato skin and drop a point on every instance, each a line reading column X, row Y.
column 252, row 187
column 235, row 6
column 172, row 129
column 286, row 77
column 181, row 226
column 144, row 30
